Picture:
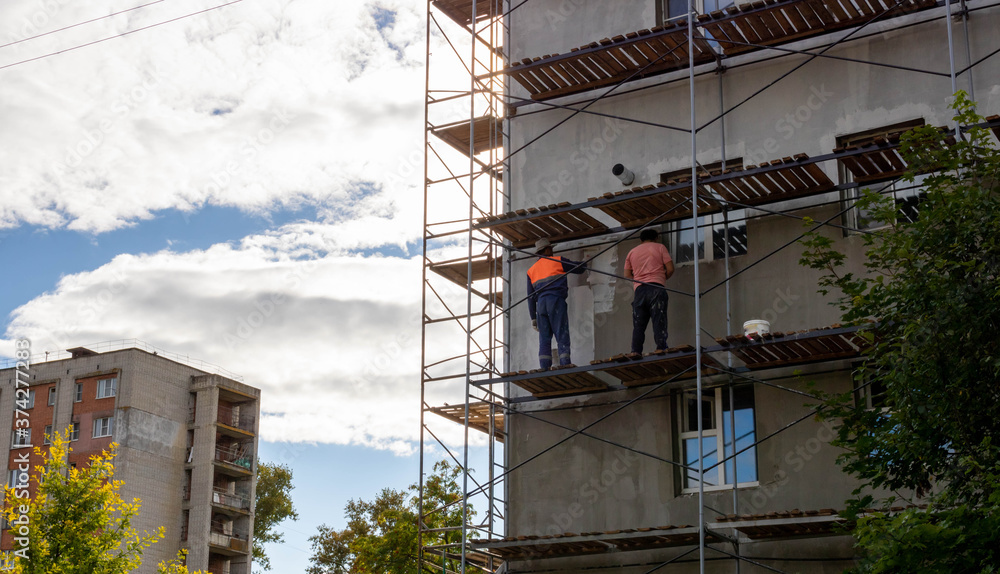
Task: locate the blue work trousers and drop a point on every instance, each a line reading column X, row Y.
column 552, row 320
column 650, row 302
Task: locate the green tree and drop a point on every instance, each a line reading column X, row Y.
column 273, row 504
column 932, row 287
column 77, row 521
column 381, row 535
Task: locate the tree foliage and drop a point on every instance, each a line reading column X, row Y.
column 273, row 504
column 932, row 290
column 77, row 521
column 381, row 535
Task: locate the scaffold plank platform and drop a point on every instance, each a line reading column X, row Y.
column 754, row 25
column 554, row 383
column 479, row 416
column 485, row 130
column 457, row 271
column 783, row 349
column 571, row 544
column 656, row 367
column 554, row 222
column 771, row 182
column 784, row 524
column 610, row 61
column 461, row 10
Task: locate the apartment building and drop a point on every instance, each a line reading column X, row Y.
column 587, row 121
column 187, row 443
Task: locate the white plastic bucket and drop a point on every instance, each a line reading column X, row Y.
column 758, row 326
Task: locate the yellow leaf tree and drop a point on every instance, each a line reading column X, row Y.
column 76, row 522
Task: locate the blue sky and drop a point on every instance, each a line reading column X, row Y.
column 242, row 187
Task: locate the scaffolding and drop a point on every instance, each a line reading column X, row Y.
column 472, row 236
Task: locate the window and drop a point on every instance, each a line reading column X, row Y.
column 75, row 433
column 683, row 237
column 78, row 397
column 668, row 9
column 870, row 393
column 906, row 195
column 52, row 395
column 48, row 434
column 718, row 437
column 20, row 438
column 17, row 477
column 103, row 427
column 683, row 233
column 24, row 399
column 106, row 388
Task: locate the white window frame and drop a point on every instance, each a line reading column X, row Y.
column 74, row 434
column 48, row 434
column 709, row 225
column 78, row 396
column 700, row 6
column 52, row 395
column 102, row 390
column 14, row 443
column 100, row 424
column 12, row 475
column 714, row 399
column 899, row 190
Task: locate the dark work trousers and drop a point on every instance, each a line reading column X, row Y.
column 650, row 302
column 553, row 319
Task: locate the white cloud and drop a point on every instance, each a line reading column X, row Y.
column 262, row 105
column 332, row 339
column 258, row 105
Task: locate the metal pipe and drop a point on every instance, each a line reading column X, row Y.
column 468, row 295
column 423, row 302
column 697, row 289
column 968, row 49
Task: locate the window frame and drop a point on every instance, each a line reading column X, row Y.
column 709, row 225
column 74, row 433
column 663, row 9
column 47, row 433
column 110, row 427
column 52, row 396
column 852, row 217
column 101, row 387
column 31, row 400
column 720, row 418
column 13, row 439
column 78, row 393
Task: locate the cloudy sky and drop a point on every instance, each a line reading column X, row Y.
column 241, row 186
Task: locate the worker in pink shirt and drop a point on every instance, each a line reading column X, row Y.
column 649, row 265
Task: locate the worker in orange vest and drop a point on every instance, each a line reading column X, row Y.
column 547, row 291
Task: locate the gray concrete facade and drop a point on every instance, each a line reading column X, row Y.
column 585, row 485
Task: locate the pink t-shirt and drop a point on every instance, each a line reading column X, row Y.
column 647, row 263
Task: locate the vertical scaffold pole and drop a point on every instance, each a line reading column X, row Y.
column 423, row 298
column 468, row 293
column 697, row 291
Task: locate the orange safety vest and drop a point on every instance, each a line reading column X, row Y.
column 545, row 269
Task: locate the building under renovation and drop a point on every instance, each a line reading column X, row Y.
column 186, row 435
column 586, row 121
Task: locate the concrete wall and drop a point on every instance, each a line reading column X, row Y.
column 151, row 410
column 585, row 485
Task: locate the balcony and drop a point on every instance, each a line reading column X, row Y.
column 237, row 501
column 238, row 455
column 224, row 537
column 231, row 568
column 239, row 417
